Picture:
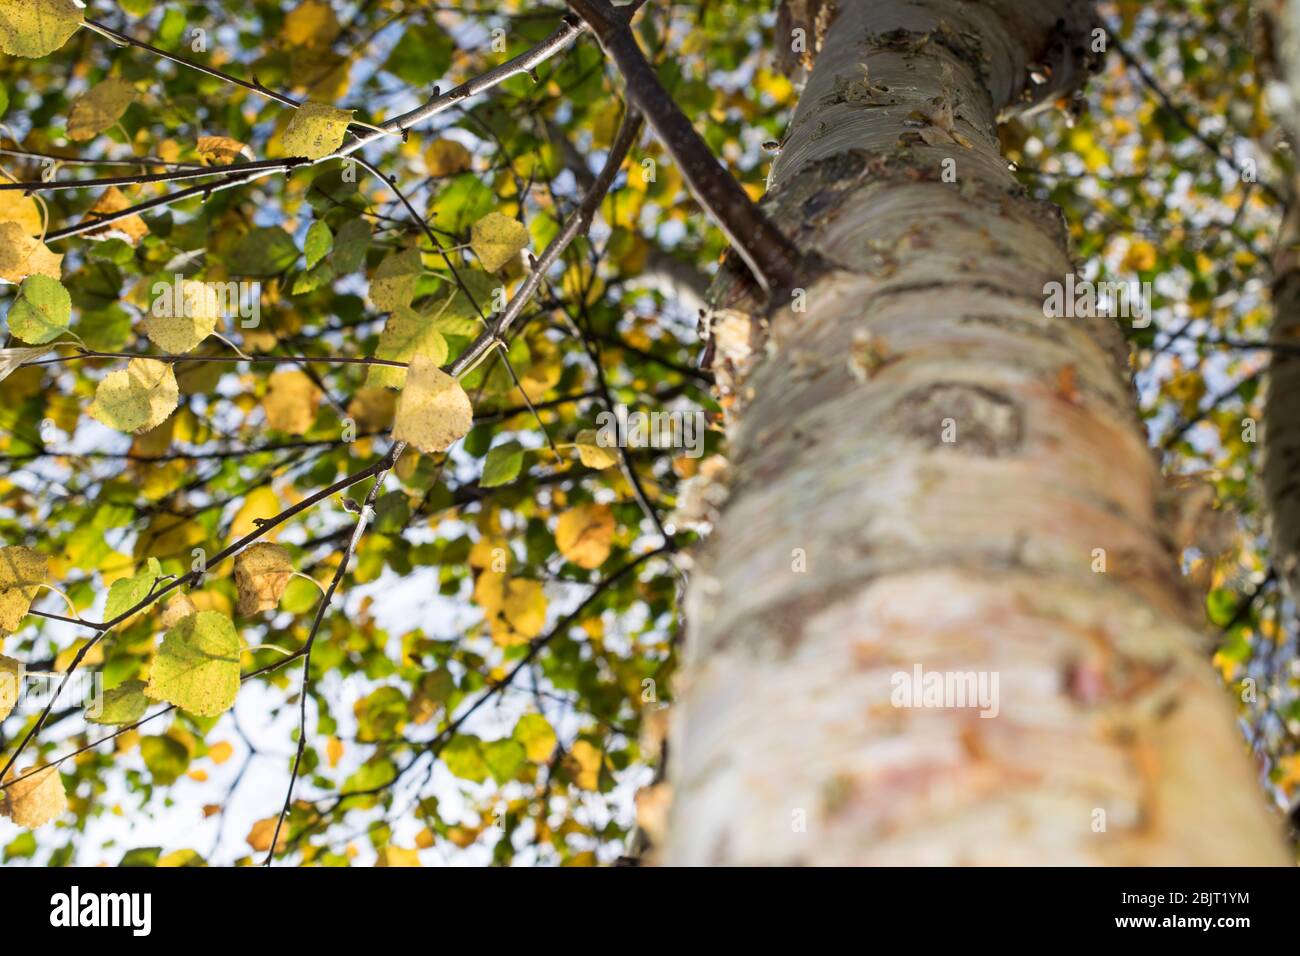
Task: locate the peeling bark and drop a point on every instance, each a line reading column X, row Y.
column 923, row 467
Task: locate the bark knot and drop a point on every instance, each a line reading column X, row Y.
column 966, row 418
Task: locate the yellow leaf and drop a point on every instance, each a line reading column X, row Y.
column 496, row 239
column 136, row 398
column 22, row 572
column 291, row 402
column 584, row 763
column 262, row 572
column 220, row 752
column 584, row 534
column 11, row 675
column 130, row 230
column 260, row 836
column 315, row 130
column 593, row 453
column 261, row 502
column 65, row 657
column 36, row 800
column 462, row 836
column 176, row 610
column 397, row 856
column 433, row 410
column 393, row 285
column 177, row 327
column 490, row 551
column 446, row 157
column 373, row 408
column 1141, row 256
column 537, row 736
column 24, row 210
column 489, row 591
column 334, row 751
column 35, row 28
column 99, row 108
column 311, row 24
column 169, row 536
column 515, row 608
column 178, row 858
column 221, row 150
column 22, row 256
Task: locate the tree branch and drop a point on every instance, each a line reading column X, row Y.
column 560, row 38
column 771, row 257
column 121, row 39
column 578, row 223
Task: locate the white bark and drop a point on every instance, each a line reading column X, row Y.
column 1280, row 435
column 970, row 556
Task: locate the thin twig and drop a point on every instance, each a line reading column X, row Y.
column 367, row 512
column 577, row 224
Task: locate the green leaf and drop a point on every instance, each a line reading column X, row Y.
column 197, row 667
column 464, row 201
column 318, row 243
column 42, row 310
column 316, row 130
column 376, row 772
column 537, row 737
column 504, row 758
column 421, row 56
column 464, row 758
column 126, row 593
column 145, row 855
column 393, row 285
column 496, row 239
column 503, row 465
column 406, row 334
column 263, row 252
column 124, row 704
column 313, row 279
column 166, row 757
column 381, row 715
column 349, row 253
column 438, row 685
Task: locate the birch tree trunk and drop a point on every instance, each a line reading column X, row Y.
column 928, row 471
column 1280, row 437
